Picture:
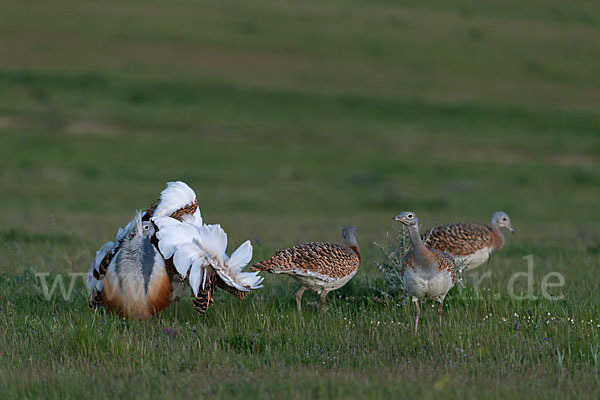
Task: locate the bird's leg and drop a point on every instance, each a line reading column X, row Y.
column 176, row 303
column 417, row 312
column 440, row 312
column 299, row 298
column 323, row 303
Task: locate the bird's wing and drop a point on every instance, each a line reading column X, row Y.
column 96, row 273
column 460, row 239
column 97, row 270
column 231, row 290
column 408, row 261
column 445, row 262
column 104, row 256
column 176, row 200
column 331, row 260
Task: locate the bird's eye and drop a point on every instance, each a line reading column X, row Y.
column 146, row 227
column 410, row 216
column 503, row 218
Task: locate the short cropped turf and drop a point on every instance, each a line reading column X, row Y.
column 290, row 120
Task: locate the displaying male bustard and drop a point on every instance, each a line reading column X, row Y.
column 471, row 244
column 426, row 272
column 321, row 267
column 163, row 250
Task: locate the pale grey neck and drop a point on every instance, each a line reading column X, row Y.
column 415, row 237
column 353, row 244
column 498, row 236
column 351, row 240
column 496, row 228
column 418, row 246
column 421, row 259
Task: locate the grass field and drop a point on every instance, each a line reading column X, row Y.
column 291, row 119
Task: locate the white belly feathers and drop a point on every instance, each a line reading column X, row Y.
column 431, row 285
column 475, row 259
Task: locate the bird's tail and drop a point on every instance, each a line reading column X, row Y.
column 266, row 265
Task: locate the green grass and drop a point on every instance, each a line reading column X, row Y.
column 290, row 121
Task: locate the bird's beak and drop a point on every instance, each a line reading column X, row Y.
column 510, row 228
column 396, row 218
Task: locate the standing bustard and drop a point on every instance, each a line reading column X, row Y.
column 161, row 251
column 469, row 243
column 321, row 267
column 426, row 272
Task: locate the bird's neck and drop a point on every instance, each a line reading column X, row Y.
column 353, row 244
column 498, row 236
column 421, row 251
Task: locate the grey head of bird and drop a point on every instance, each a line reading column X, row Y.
column 147, row 229
column 502, row 220
column 137, row 256
column 407, row 218
column 348, row 232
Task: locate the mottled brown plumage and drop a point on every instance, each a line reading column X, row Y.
column 462, row 238
column 204, row 298
column 189, row 209
column 470, row 243
column 319, row 266
column 178, row 214
column 231, row 290
column 331, row 260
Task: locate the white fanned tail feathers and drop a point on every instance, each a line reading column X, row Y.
column 239, row 259
column 213, row 241
column 177, row 195
column 196, row 247
column 194, row 219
